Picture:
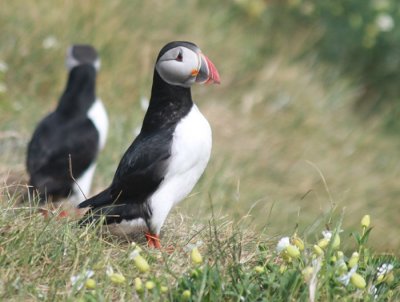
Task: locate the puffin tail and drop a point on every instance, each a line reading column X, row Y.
column 97, row 205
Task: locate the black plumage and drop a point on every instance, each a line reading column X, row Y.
column 67, row 133
column 159, row 159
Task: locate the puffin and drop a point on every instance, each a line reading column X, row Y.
column 62, row 153
column 167, row 157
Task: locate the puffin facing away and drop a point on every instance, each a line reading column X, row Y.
column 169, row 155
column 71, row 136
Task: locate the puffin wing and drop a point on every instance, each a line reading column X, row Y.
column 50, row 149
column 139, row 174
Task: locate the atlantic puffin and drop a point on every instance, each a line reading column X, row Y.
column 168, row 156
column 71, row 136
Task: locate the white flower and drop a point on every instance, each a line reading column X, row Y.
column 79, row 280
column 282, row 244
column 3, row 66
column 50, row 42
column 384, row 22
column 383, row 270
column 327, row 235
column 345, row 279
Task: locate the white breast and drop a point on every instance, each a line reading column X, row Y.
column 81, row 189
column 190, row 152
column 98, row 115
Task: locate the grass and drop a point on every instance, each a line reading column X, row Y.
column 39, row 256
column 289, row 155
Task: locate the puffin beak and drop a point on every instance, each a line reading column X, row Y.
column 208, row 73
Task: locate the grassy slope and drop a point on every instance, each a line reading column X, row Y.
column 275, row 122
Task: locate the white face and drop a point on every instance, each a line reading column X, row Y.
column 71, row 61
column 179, row 66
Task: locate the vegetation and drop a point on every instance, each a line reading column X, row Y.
column 290, row 157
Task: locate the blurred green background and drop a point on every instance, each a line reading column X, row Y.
column 305, row 121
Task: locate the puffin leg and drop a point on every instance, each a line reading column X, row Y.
column 153, row 240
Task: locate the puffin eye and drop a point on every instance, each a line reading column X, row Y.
column 179, row 57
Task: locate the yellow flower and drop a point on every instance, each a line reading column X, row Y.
column 259, row 269
column 358, row 281
column 354, row 259
column 296, row 240
column 90, row 283
column 150, row 285
column 186, row 295
column 138, row 285
column 323, row 243
column 365, row 221
column 293, row 251
column 307, row 273
column 140, row 262
column 318, row 250
column 196, row 256
column 117, row 278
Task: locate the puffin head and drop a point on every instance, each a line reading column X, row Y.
column 79, row 54
column 182, row 64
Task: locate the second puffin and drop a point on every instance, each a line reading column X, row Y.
column 169, row 155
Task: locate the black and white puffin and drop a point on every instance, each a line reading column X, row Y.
column 76, row 130
column 169, row 155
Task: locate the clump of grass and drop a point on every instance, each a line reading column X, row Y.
column 52, row 259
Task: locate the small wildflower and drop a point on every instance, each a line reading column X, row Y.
column 358, row 281
column 289, row 249
column 186, row 295
column 365, row 221
column 90, row 283
column 296, row 240
column 282, row 244
column 140, row 262
column 307, row 273
column 163, row 289
column 323, row 243
column 150, row 285
column 385, row 273
column 196, row 256
column 354, row 259
column 345, row 278
column 50, row 42
column 293, row 251
column 318, row 251
column 117, row 278
column 259, row 269
column 79, row 280
column 138, row 285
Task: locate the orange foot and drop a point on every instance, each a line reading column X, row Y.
column 153, row 240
